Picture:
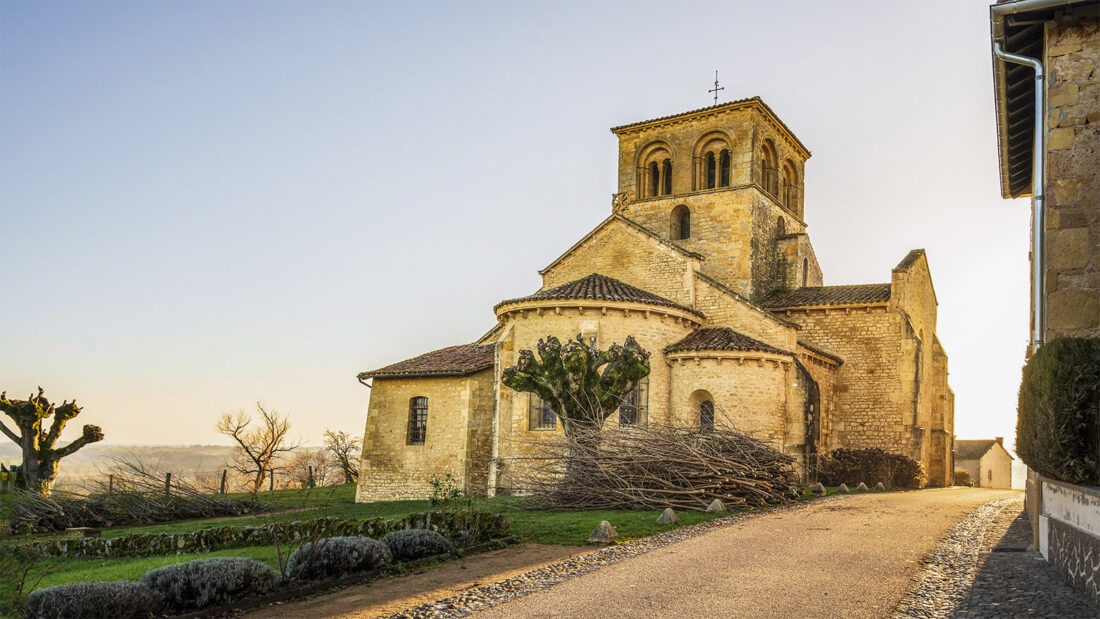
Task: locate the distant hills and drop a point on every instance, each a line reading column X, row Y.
column 184, row 460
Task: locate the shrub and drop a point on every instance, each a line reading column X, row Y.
column 870, row 466
column 416, row 544
column 962, row 478
column 1058, row 422
column 337, row 556
column 206, row 582
column 94, row 600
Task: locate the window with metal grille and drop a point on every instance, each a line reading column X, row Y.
column 541, row 416
column 706, row 416
column 418, row 420
column 634, row 411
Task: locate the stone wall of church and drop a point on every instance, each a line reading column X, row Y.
column 868, row 408
column 1073, row 185
column 459, row 417
column 720, row 230
column 723, row 310
column 631, row 258
column 750, row 394
column 653, row 333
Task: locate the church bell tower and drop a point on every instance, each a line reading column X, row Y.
column 726, row 182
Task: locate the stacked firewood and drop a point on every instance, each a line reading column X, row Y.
column 658, row 467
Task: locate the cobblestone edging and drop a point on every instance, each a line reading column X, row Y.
column 950, row 568
column 496, row 593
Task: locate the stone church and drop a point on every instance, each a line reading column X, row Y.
column 706, row 261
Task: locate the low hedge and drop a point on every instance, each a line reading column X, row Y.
column 337, row 556
column 412, row 544
column 870, row 466
column 464, row 529
column 1058, row 421
column 208, row 582
column 120, row 599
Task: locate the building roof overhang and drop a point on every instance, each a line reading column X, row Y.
column 1019, row 27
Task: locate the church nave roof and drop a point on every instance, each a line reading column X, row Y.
column 829, row 295
column 460, row 360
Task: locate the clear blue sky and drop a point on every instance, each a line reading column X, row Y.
column 209, row 204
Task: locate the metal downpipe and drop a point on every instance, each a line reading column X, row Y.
column 1038, row 186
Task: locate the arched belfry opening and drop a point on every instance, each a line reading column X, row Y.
column 680, row 223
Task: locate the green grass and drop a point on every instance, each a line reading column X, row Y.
column 539, row 526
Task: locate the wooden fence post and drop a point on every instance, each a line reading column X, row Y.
column 271, row 487
column 311, row 476
column 167, row 484
column 225, row 472
column 110, row 484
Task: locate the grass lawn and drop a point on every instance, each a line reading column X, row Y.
column 544, row 527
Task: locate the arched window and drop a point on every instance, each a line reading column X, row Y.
column 712, row 170
column 541, row 416
column 769, row 174
column 418, row 421
column 706, row 416
column 790, row 186
column 634, row 411
column 680, row 227
column 805, row 271
column 654, row 179
column 781, row 227
column 666, row 173
column 724, row 168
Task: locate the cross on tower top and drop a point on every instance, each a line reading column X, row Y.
column 716, row 87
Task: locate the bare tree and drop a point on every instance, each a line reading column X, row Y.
column 40, row 457
column 260, row 442
column 344, row 452
column 301, row 463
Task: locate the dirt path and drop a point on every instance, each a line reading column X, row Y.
column 393, row 595
column 850, row 557
column 847, row 558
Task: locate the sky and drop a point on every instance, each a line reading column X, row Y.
column 208, row 205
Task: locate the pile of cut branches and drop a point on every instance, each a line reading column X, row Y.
column 657, row 467
column 136, row 496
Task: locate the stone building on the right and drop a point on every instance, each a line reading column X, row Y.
column 1046, row 65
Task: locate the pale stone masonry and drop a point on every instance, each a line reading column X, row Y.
column 1073, row 176
column 706, row 262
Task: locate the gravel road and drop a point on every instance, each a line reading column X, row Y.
column 852, row 557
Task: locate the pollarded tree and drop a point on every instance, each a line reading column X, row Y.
column 581, row 383
column 40, row 458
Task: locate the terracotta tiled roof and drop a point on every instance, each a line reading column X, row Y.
column 721, row 338
column 820, row 351
column 909, row 259
column 972, row 450
column 599, row 287
column 454, row 361
column 729, row 104
column 829, row 295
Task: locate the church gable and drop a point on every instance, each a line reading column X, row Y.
column 724, row 307
column 623, row 250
